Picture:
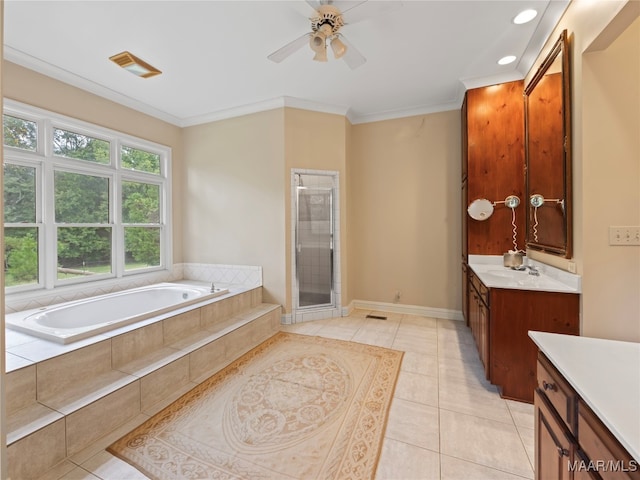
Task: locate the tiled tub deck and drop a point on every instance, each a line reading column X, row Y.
column 60, row 403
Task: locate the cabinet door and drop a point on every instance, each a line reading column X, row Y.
column 554, row 446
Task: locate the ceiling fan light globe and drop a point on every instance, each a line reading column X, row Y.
column 321, row 55
column 339, row 48
column 317, row 42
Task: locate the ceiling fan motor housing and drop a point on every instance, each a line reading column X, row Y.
column 328, row 20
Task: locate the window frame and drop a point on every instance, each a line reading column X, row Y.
column 47, row 163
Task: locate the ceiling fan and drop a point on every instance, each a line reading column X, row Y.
column 326, row 23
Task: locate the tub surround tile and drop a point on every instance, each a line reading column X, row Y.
column 208, row 359
column 139, row 367
column 159, row 384
column 174, row 395
column 181, row 326
column 137, row 343
column 88, row 392
column 103, row 442
column 49, row 442
column 40, row 350
column 102, row 416
column 29, row 420
column 14, row 362
column 61, row 374
column 20, row 389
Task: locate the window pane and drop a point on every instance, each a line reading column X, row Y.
column 142, row 247
column 75, row 145
column 20, row 133
column 83, row 251
column 140, row 203
column 20, row 256
column 81, row 198
column 19, row 194
column 140, row 160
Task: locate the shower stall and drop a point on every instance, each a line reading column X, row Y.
column 314, row 244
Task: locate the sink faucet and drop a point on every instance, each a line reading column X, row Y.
column 213, row 287
column 533, row 270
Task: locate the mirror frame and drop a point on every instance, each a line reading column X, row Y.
column 561, row 47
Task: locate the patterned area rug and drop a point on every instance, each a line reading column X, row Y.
column 295, row 407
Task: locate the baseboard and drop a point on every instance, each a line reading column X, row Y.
column 431, row 312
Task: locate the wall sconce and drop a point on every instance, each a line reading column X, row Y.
column 481, row 208
column 133, row 64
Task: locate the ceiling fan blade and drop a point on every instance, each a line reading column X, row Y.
column 365, row 9
column 290, row 48
column 352, row 57
column 315, row 4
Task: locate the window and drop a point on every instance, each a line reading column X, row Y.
column 81, row 203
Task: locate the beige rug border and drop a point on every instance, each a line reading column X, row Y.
column 233, row 365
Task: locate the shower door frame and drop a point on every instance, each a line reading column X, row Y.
column 332, row 309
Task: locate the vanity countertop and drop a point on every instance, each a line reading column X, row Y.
column 606, row 374
column 493, row 274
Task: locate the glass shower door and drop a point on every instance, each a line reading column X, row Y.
column 314, row 246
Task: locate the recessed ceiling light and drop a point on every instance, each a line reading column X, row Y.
column 133, row 64
column 507, row 60
column 525, row 16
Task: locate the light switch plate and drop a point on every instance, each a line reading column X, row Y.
column 624, row 235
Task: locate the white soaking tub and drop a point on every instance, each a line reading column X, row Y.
column 72, row 321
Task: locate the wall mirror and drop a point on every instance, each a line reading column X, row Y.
column 548, row 153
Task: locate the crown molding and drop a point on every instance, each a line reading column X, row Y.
column 27, row 61
column 44, row 68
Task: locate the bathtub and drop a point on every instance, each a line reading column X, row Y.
column 72, row 321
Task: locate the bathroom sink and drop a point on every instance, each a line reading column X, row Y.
column 550, row 279
column 500, row 277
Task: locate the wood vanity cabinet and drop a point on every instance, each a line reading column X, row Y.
column 571, row 442
column 500, row 320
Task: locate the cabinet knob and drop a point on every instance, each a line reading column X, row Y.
column 563, row 452
column 548, row 386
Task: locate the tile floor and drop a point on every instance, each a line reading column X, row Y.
column 446, row 421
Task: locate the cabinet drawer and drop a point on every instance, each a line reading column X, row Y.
column 610, row 459
column 558, row 391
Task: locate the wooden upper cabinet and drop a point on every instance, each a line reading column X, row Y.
column 493, row 146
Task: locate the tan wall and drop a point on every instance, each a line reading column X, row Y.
column 611, row 187
column 234, row 195
column 315, row 141
column 404, row 211
column 605, row 162
column 32, row 88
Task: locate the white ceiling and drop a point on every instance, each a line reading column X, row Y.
column 421, row 55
